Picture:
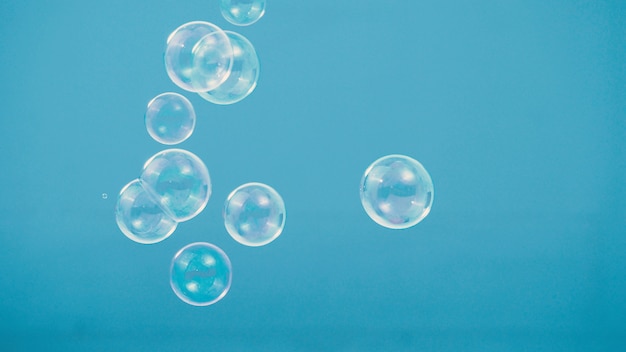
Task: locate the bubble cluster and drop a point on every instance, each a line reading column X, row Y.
column 200, row 274
column 242, row 12
column 396, row 191
column 222, row 66
column 170, row 118
column 174, row 186
column 243, row 75
column 254, row 214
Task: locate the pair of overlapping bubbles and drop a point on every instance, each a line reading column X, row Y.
column 174, row 186
column 221, row 66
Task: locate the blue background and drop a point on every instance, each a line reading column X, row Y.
column 516, row 108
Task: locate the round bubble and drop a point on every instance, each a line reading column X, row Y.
column 213, row 66
column 254, row 214
column 180, row 182
column 140, row 217
column 243, row 76
column 242, row 12
column 396, row 191
column 170, row 118
column 200, row 274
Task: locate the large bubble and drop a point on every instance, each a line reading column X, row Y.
column 254, row 214
column 180, row 182
column 215, row 60
column 242, row 12
column 396, row 191
column 170, row 118
column 200, row 274
column 140, row 217
column 243, row 76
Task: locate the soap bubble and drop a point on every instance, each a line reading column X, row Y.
column 170, row 118
column 180, row 182
column 200, row 274
column 396, row 191
column 254, row 214
column 140, row 217
column 242, row 12
column 243, row 76
column 215, row 59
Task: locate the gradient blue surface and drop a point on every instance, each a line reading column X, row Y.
column 516, row 108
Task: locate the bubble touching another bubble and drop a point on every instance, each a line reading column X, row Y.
column 244, row 73
column 140, row 217
column 242, row 12
column 396, row 191
column 254, row 214
column 200, row 274
column 170, row 118
column 215, row 62
column 180, row 182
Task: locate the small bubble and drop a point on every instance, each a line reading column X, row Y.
column 396, row 191
column 242, row 12
column 105, row 196
column 254, row 214
column 200, row 274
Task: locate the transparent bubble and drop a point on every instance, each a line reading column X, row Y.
column 179, row 180
column 170, row 118
column 214, row 64
column 200, row 274
column 105, row 196
column 396, row 191
column 254, row 214
column 242, row 12
column 140, row 217
column 243, row 76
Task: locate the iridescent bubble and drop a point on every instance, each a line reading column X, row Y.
column 242, row 12
column 254, row 214
column 396, row 191
column 140, row 217
column 243, row 76
column 170, row 118
column 200, row 274
column 180, row 182
column 214, row 64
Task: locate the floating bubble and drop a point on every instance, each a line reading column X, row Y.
column 105, row 196
column 200, row 274
column 170, row 118
column 140, row 217
column 242, row 12
column 206, row 72
column 396, row 191
column 180, row 182
column 243, row 76
column 254, row 214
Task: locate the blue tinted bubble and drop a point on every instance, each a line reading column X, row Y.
column 179, row 180
column 243, row 76
column 200, row 274
column 140, row 217
column 202, row 74
column 242, row 12
column 170, row 118
column 254, row 214
column 396, row 191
